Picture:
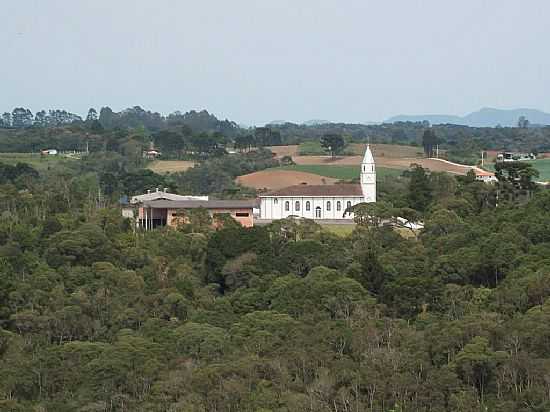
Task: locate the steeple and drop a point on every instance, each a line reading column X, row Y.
column 368, row 176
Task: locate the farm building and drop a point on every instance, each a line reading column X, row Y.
column 515, row 157
column 151, row 154
column 171, row 213
column 485, row 176
column 161, row 208
column 158, row 194
column 321, row 202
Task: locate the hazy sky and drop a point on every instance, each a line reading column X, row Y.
column 255, row 61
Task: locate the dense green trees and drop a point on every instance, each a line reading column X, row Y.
column 95, row 316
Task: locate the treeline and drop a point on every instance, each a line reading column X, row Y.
column 196, row 135
column 131, row 118
column 136, row 117
column 450, row 137
column 21, row 117
column 463, row 143
column 286, row 317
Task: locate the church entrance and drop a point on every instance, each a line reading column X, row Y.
column 318, row 212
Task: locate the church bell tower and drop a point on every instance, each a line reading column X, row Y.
column 368, row 177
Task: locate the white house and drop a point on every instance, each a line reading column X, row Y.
column 321, row 202
column 485, row 176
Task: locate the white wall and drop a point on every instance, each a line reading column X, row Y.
column 274, row 207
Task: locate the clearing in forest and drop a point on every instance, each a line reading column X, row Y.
column 170, row 166
column 36, row 160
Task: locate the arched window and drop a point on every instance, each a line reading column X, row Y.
column 297, row 206
column 372, row 168
column 318, row 212
column 338, row 206
column 328, row 206
column 348, row 204
column 275, row 201
column 308, row 206
column 287, row 206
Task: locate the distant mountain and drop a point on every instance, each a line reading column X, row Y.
column 315, row 122
column 277, row 122
column 486, row 117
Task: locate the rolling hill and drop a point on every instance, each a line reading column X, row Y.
column 486, row 117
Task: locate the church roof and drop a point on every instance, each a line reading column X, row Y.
column 318, row 191
column 368, row 158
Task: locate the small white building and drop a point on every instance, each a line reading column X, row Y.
column 321, row 202
column 151, row 154
column 49, row 152
column 485, row 176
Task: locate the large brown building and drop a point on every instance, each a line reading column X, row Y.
column 157, row 213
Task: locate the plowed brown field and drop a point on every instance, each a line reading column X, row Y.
column 386, row 155
column 277, row 179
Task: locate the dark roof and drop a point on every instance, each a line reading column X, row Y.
column 207, row 204
column 318, row 190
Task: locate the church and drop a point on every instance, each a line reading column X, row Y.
column 321, row 202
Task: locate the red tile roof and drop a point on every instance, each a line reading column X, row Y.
column 318, row 190
column 480, row 172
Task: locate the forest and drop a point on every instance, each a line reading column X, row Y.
column 177, row 134
column 98, row 316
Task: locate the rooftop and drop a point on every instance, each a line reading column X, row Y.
column 318, row 190
column 206, row 204
column 163, row 195
column 480, row 172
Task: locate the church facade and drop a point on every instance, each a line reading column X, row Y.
column 321, row 202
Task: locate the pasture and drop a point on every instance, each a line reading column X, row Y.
column 387, row 156
column 542, row 165
column 170, row 166
column 379, row 150
column 35, row 160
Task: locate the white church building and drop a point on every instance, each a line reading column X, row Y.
column 321, row 202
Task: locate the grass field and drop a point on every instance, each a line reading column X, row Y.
column 34, row 159
column 343, row 172
column 170, row 166
column 340, row 230
column 542, row 165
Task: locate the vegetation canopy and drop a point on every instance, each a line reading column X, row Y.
column 97, row 315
